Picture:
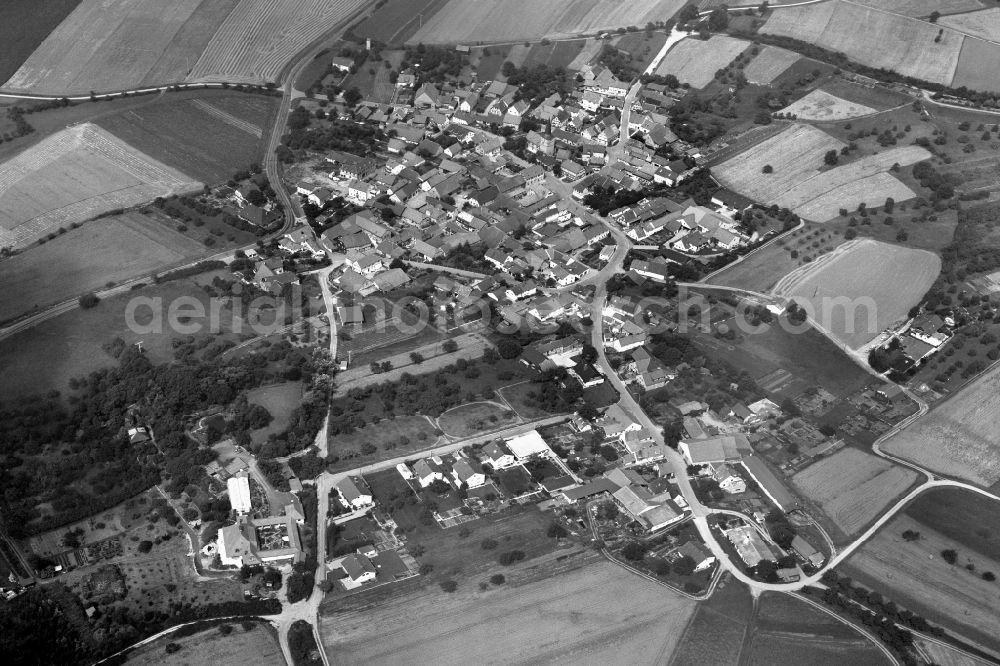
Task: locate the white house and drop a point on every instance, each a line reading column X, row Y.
column 428, row 470
column 355, row 492
column 468, row 472
column 498, row 456
column 358, row 570
column 728, row 479
column 239, row 492
column 528, row 445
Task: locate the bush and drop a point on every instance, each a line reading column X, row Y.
column 557, row 531
column 498, row 579
column 989, row 576
column 510, row 557
column 89, row 300
column 489, row 544
column 449, row 586
column 634, row 551
column 426, row 569
column 949, row 556
column 145, row 546
column 172, row 648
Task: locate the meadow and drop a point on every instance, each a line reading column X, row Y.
column 210, row 647
column 476, row 417
column 598, row 614
column 853, row 487
column 74, row 175
column 280, row 400
column 209, row 138
column 769, row 64
column 958, row 437
column 112, row 249
column 695, row 61
column 820, row 105
column 508, row 20
column 861, row 288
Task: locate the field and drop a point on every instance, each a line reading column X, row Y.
column 74, row 175
column 591, row 48
column 417, row 429
column 861, row 288
column 507, row 20
column 396, row 20
column 259, row 36
column 958, row 437
column 476, row 417
column 769, row 64
column 24, row 24
column 210, row 647
column 914, row 575
column 112, row 249
column 695, row 61
column 554, row 54
column 975, row 64
column 209, row 139
column 822, row 106
column 985, row 23
column 596, row 614
column 853, row 487
column 110, row 45
column 796, row 154
column 716, row 634
column 874, row 38
column 922, row 7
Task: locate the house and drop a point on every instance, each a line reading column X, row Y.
column 498, row 455
column 272, row 540
column 528, row 445
column 341, row 64
column 805, row 550
column 718, row 449
column 638, row 502
column 428, row 470
column 355, row 492
column 751, row 547
column 358, row 570
column 728, row 479
column 468, row 473
column 616, row 421
column 656, row 271
column 699, row 554
column 320, row 196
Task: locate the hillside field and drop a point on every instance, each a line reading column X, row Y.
column 958, row 437
column 112, row 249
column 769, row 64
column 74, row 175
column 695, row 61
column 210, row 139
column 507, row 20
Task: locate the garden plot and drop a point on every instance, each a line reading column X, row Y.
column 873, row 37
column 695, row 61
column 795, row 155
column 74, row 175
column 769, row 65
column 861, row 288
column 852, row 487
column 822, row 106
column 958, row 437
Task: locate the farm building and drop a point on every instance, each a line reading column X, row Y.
column 699, row 554
column 749, row 544
column 239, row 493
column 719, row 449
column 261, row 541
column 805, row 550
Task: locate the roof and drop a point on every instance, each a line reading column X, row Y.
column 595, row 487
column 352, row 488
column 357, row 565
column 769, row 483
column 715, row 449
column 527, row 444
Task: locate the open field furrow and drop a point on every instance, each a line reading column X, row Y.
column 227, row 118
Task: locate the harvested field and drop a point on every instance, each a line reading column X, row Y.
column 914, row 575
column 866, row 180
column 862, row 287
column 922, row 7
column 596, row 614
column 977, row 65
column 958, row 437
column 695, row 61
column 716, row 634
column 112, row 249
column 985, row 23
column 853, row 487
column 767, row 649
column 259, row 37
column 74, row 175
column 396, row 20
column 769, row 64
column 211, row 648
column 822, row 106
column 208, row 138
column 796, row 154
column 24, row 24
column 115, row 44
column 509, row 20
column 905, row 45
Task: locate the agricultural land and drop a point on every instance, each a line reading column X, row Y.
column 209, row 139
column 24, row 24
column 985, row 23
column 695, row 62
column 958, row 437
column 215, row 645
column 769, row 64
column 852, row 487
column 905, row 562
column 595, row 614
column 503, row 20
column 74, row 175
column 923, row 8
column 822, row 106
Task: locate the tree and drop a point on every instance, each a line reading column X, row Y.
column 830, row 159
column 634, row 551
column 989, row 576
column 416, row 358
column 256, row 198
column 684, row 566
column 767, row 169
column 935, row 15
column 509, row 348
column 449, row 586
column 449, row 346
column 89, row 300
column 911, row 535
column 949, row 556
column 510, row 557
column 589, row 353
column 508, row 69
column 718, row 20
column 489, row 544
column 352, row 97
column 145, row 546
column 498, row 579
column 688, row 13
column 557, row 531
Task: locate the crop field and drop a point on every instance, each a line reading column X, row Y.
column 914, row 575
column 24, row 24
column 944, row 655
column 508, row 20
column 853, row 487
column 922, row 7
column 396, row 20
column 904, row 45
column 259, row 36
column 769, row 64
column 476, row 417
column 977, row 63
column 74, row 175
column 822, row 106
column 596, row 614
column 958, row 437
column 862, row 287
column 796, row 155
column 114, row 44
column 211, row 648
column 695, row 61
column 716, row 633
column 209, row 139
column 554, row 54
column 865, row 180
column 985, row 23
column 112, row 249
